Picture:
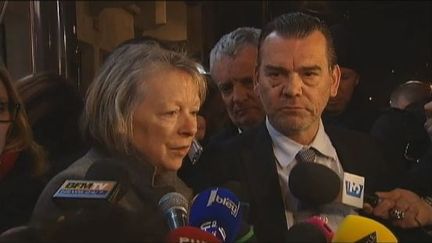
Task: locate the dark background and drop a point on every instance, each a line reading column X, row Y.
column 392, row 41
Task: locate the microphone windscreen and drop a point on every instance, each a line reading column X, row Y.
column 217, row 210
column 356, row 228
column 174, row 206
column 305, row 232
column 314, row 183
column 106, row 169
column 190, row 234
column 110, row 170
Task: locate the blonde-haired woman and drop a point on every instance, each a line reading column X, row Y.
column 22, row 161
column 141, row 113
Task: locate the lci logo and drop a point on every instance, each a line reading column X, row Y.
column 225, row 201
column 354, row 189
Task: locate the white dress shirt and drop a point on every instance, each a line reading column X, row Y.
column 285, row 150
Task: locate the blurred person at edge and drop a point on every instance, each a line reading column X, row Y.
column 232, row 63
column 22, row 160
column 53, row 106
column 339, row 111
column 414, row 195
column 140, row 110
column 401, row 126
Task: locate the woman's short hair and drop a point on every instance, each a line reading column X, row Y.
column 111, row 99
column 20, row 135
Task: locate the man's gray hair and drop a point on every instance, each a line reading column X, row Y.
column 119, row 88
column 230, row 44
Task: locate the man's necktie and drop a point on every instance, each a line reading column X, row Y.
column 306, row 155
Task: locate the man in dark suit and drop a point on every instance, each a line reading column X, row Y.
column 296, row 73
column 232, row 63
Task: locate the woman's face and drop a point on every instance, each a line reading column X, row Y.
column 4, row 114
column 165, row 122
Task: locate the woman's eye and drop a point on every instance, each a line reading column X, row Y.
column 171, row 113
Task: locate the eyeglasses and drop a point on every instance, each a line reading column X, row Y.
column 8, row 111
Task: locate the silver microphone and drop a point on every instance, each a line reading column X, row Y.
column 174, row 207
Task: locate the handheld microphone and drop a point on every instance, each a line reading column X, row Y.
column 188, row 234
column 322, row 226
column 174, row 207
column 353, row 192
column 314, row 183
column 356, row 228
column 104, row 184
column 305, row 232
column 217, row 210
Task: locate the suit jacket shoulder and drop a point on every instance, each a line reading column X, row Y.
column 361, row 154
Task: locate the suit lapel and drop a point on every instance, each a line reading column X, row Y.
column 343, row 149
column 263, row 182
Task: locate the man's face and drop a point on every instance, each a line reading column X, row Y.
column 234, row 78
column 294, row 83
column 349, row 80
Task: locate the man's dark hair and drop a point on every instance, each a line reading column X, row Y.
column 298, row 25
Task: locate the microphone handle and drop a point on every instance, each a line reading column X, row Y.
column 371, row 199
column 177, row 217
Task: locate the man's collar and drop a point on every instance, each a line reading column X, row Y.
column 286, row 148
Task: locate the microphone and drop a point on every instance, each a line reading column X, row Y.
column 313, row 229
column 174, row 207
column 217, row 211
column 305, row 232
column 188, row 234
column 104, row 184
column 314, row 183
column 322, row 226
column 356, row 228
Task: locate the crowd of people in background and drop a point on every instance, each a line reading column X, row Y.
column 273, row 99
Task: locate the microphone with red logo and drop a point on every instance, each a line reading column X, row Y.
column 313, row 229
column 188, row 234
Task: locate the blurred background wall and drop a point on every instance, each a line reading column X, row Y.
column 393, row 38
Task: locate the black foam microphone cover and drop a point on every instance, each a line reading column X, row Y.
column 110, row 170
column 314, row 184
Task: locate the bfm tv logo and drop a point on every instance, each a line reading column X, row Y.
column 354, row 189
column 85, row 189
